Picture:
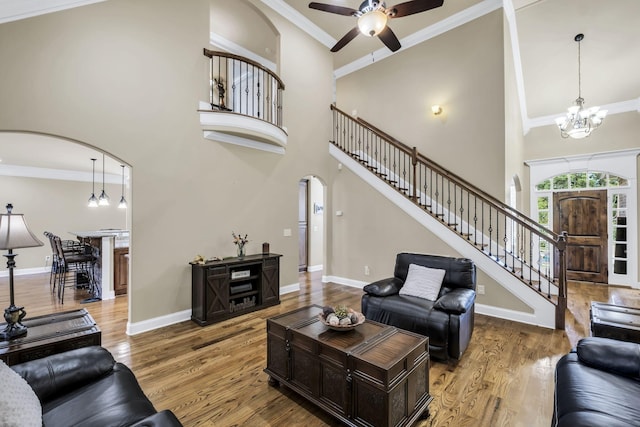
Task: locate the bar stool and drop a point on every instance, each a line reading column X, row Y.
column 79, row 264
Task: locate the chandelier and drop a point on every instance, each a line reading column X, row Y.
column 579, row 121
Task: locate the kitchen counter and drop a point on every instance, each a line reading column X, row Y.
column 105, row 242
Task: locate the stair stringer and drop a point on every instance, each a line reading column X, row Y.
column 544, row 286
column 543, row 309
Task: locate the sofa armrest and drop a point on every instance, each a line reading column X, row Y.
column 384, row 287
column 618, row 357
column 52, row 374
column 160, row 419
column 457, row 301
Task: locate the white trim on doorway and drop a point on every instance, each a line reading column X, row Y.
column 622, row 163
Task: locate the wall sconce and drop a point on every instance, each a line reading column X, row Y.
column 436, row 110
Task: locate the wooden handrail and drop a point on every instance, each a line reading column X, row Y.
column 212, row 53
column 551, row 235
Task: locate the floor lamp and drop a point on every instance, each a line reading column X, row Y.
column 14, row 234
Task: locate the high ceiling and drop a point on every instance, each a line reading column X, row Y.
column 546, row 50
column 610, row 51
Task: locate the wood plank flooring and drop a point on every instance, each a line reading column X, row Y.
column 212, row 376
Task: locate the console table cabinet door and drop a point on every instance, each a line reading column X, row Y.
column 271, row 281
column 217, row 293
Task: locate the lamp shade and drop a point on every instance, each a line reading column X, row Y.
column 14, row 233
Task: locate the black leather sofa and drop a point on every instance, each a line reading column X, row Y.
column 87, row 387
column 598, row 384
column 448, row 321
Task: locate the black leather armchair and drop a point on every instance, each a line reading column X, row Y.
column 87, row 387
column 598, row 384
column 448, row 321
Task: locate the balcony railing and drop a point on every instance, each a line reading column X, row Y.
column 239, row 85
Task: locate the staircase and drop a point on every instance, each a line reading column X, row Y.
column 520, row 254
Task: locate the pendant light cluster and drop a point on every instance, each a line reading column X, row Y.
column 103, row 200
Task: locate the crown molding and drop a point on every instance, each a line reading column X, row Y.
column 441, row 27
column 614, row 108
column 11, row 10
column 58, row 174
column 301, row 22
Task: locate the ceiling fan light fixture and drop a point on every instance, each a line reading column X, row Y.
column 372, row 23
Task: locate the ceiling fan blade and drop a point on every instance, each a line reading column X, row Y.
column 415, row 6
column 346, row 39
column 389, row 39
column 346, row 11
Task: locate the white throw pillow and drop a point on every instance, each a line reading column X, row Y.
column 19, row 405
column 423, row 282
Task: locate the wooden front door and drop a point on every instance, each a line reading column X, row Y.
column 583, row 215
column 302, row 224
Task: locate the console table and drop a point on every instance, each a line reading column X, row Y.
column 51, row 334
column 373, row 375
column 234, row 286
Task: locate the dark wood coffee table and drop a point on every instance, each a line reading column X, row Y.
column 374, row 374
column 51, row 334
column 615, row 321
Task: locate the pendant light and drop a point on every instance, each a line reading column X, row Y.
column 103, row 200
column 579, row 122
column 123, row 201
column 93, row 201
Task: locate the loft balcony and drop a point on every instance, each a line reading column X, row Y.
column 245, row 104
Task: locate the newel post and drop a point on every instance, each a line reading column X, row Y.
column 561, row 244
column 414, row 162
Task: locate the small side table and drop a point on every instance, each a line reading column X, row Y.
column 615, row 321
column 51, row 334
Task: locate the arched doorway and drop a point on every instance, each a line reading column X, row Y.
column 50, row 178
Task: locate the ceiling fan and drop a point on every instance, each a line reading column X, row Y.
column 373, row 16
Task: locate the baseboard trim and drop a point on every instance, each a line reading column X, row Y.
column 158, row 322
column 181, row 316
column 312, row 268
column 25, row 271
column 294, row 287
column 508, row 314
column 344, row 281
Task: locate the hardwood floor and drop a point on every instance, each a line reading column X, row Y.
column 212, row 376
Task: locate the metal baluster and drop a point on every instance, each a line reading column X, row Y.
column 475, row 220
column 505, row 240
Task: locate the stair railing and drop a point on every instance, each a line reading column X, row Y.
column 529, row 251
column 240, row 85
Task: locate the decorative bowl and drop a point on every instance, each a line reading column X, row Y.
column 343, row 328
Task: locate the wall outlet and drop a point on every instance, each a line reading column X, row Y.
column 286, row 232
column 480, row 289
column 366, row 270
column 47, row 258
